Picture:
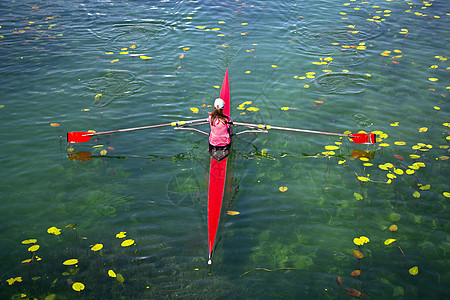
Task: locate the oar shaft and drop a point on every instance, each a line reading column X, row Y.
column 266, row 127
column 177, row 123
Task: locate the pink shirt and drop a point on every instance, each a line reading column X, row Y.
column 219, row 135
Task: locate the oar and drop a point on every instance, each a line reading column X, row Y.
column 81, row 137
column 358, row 138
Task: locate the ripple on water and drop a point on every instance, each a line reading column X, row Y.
column 112, row 86
column 317, row 40
column 341, row 83
column 361, row 119
column 141, row 34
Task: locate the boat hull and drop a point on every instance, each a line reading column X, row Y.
column 217, row 180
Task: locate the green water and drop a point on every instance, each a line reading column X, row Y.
column 106, row 65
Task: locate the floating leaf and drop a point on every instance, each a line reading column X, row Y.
column 358, row 196
column 97, row 247
column 416, row 194
column 383, row 167
column 353, row 292
column 233, row 213
column 364, row 179
column 433, row 79
column 114, row 61
column 194, row 110
column 414, row 271
column 145, row 57
column 120, row 278
column 274, row 66
column 393, row 227
column 111, row 273
column 127, row 243
column 33, row 248
column 398, row 171
column 78, row 286
column 395, row 217
column 54, row 230
column 339, row 281
column 423, row 129
column 364, row 239
column 329, row 153
column 356, row 273
column 391, row 176
column 70, row 262
column 358, row 242
column 331, row 147
column 12, row 280
column 283, row 189
column 425, row 187
column 121, row 234
column 357, row 254
column 26, row 261
column 30, row 241
column 55, row 124
column 446, row 194
column 389, row 241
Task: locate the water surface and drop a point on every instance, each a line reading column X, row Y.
column 373, row 66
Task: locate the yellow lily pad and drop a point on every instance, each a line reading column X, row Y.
column 127, row 243
column 70, row 262
column 78, row 286
column 389, row 241
column 97, row 247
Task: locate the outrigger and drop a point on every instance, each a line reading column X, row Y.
column 218, row 169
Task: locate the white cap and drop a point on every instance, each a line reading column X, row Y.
column 219, row 103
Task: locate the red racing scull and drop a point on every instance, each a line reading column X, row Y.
column 217, row 176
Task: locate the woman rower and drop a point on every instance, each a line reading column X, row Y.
column 220, row 134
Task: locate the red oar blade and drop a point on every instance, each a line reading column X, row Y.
column 363, row 138
column 78, row 137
